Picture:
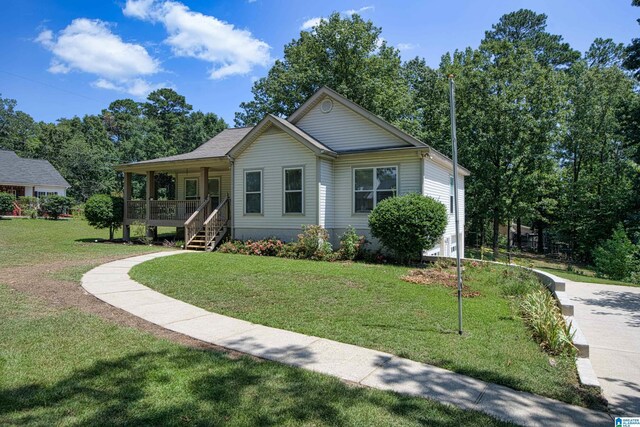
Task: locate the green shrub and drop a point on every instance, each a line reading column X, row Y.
column 104, row 211
column 28, row 202
column 313, row 243
column 55, row 205
column 266, row 247
column 6, row 203
column 408, row 224
column 545, row 319
column 30, row 212
column 616, row 257
column 350, row 244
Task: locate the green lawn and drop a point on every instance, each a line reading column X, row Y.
column 558, row 268
column 60, row 366
column 40, row 241
column 368, row 305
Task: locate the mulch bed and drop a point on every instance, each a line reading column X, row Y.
column 446, row 277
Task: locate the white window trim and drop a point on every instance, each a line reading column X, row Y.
column 197, row 196
column 285, row 191
column 374, row 190
column 244, row 189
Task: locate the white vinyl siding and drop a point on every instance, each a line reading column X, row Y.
column 326, row 189
column 271, row 152
column 409, row 181
column 343, row 130
column 437, row 184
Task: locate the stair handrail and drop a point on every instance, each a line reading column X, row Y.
column 194, row 224
column 217, row 221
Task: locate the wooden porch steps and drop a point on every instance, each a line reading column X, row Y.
column 199, row 242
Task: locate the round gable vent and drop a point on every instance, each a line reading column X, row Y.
column 326, row 105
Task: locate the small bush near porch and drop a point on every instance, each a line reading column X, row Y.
column 371, row 306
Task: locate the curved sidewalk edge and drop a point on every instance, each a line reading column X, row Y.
column 111, row 283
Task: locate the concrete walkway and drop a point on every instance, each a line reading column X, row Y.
column 111, row 283
column 609, row 316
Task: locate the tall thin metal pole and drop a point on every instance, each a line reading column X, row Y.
column 454, row 141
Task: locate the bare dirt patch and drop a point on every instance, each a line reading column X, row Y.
column 38, row 281
column 446, row 277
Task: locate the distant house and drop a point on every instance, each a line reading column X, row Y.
column 29, row 177
column 329, row 164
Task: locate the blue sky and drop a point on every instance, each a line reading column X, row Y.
column 65, row 58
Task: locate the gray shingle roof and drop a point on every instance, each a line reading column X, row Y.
column 218, row 146
column 16, row 170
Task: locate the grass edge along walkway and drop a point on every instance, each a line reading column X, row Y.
column 110, row 282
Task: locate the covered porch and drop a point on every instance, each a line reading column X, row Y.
column 197, row 190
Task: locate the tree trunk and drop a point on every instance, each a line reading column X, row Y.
column 540, row 238
column 111, row 233
column 509, row 241
column 519, row 233
column 496, row 232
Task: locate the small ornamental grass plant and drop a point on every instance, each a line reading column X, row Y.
column 542, row 315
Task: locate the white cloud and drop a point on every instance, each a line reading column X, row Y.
column 228, row 49
column 358, row 11
column 136, row 87
column 310, row 23
column 406, row 46
column 379, row 42
column 89, row 46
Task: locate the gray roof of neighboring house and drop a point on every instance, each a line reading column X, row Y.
column 16, row 170
column 218, row 146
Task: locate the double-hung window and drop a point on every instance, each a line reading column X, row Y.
column 253, row 192
column 372, row 185
column 191, row 189
column 451, row 194
column 293, row 190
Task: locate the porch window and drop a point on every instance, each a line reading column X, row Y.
column 253, row 192
column 191, row 189
column 372, row 185
column 293, row 191
column 214, row 191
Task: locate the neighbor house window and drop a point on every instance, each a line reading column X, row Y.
column 293, row 190
column 451, row 193
column 43, row 193
column 372, row 185
column 253, row 192
column 191, row 188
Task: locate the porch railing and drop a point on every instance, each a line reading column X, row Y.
column 161, row 210
column 137, row 209
column 194, row 223
column 215, row 224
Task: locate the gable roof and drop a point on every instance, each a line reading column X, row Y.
column 325, row 91
column 293, row 131
column 16, row 170
column 218, row 146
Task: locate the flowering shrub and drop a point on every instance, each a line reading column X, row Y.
column 266, row 247
column 313, row 242
column 351, row 245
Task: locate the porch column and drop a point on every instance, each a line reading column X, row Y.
column 126, row 195
column 204, row 183
column 151, row 191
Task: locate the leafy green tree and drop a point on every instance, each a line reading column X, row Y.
column 17, row 129
column 346, row 54
column 616, row 258
column 632, row 57
column 104, row 211
column 6, row 202
column 55, row 205
column 408, row 225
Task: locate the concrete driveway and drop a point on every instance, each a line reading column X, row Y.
column 609, row 317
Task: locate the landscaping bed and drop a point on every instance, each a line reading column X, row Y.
column 372, row 306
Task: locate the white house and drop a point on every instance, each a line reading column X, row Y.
column 329, row 164
column 29, row 177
